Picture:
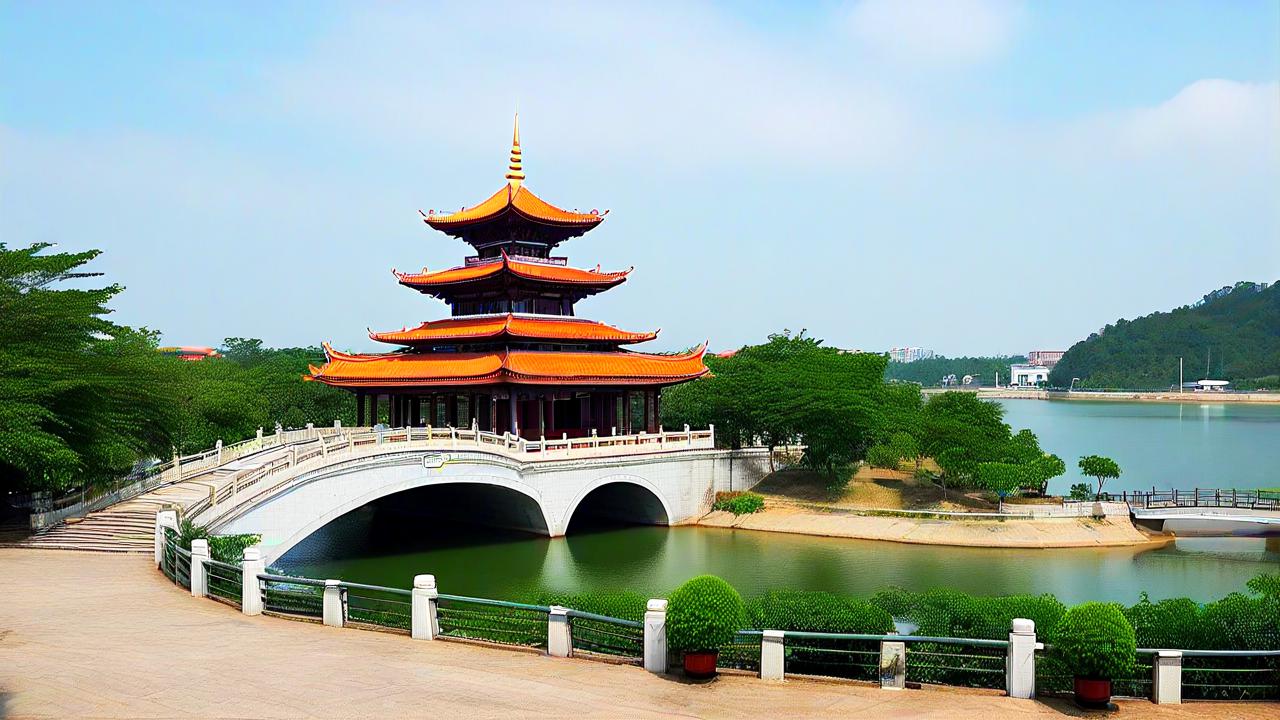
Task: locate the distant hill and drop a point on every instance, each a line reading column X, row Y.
column 932, row 370
column 1233, row 332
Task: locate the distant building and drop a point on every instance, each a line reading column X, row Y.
column 1028, row 375
column 1206, row 385
column 1045, row 358
column 909, row 354
column 190, row 353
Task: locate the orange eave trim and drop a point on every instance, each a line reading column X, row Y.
column 534, row 328
column 522, row 367
column 526, row 270
column 520, row 199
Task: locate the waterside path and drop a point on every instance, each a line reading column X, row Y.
column 106, row 636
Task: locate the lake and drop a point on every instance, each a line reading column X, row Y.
column 1168, row 445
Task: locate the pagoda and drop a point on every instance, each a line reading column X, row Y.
column 513, row 356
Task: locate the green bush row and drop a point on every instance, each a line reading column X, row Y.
column 739, row 503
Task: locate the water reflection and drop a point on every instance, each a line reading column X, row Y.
column 482, row 561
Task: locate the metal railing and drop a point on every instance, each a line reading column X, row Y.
column 286, row 595
column 1200, row 498
column 376, row 605
column 499, row 621
column 1206, row 675
column 604, row 635
column 224, row 581
column 966, row 662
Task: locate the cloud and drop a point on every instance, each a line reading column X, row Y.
column 935, row 32
column 684, row 85
column 1208, row 115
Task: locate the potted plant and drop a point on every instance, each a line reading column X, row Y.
column 702, row 615
column 1096, row 643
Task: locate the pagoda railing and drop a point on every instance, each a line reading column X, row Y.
column 180, row 468
column 477, row 260
column 252, row 485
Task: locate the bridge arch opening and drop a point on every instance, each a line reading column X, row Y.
column 425, row 518
column 615, row 504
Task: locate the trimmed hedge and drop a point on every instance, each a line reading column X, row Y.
column 703, row 614
column 739, row 503
column 1096, row 640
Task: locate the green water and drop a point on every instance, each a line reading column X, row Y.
column 1181, row 446
column 1168, row 445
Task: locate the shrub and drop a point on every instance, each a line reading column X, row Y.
column 817, row 612
column 1095, row 640
column 1265, row 584
column 1081, row 491
column 1172, row 623
column 223, row 548
column 624, row 605
column 703, row 614
column 883, row 456
column 739, row 503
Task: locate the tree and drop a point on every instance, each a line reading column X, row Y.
column 1002, row 478
column 81, row 399
column 1099, row 468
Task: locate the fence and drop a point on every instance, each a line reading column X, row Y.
column 1198, row 497
column 87, row 500
column 1019, row 665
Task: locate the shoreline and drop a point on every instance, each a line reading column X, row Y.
column 1012, row 533
column 1157, row 396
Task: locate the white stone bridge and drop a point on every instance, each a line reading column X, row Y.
column 665, row 478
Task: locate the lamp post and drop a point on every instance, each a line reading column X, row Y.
column 1073, row 385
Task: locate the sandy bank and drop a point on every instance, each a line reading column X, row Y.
column 1009, row 533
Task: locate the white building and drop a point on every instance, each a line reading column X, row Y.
column 909, row 354
column 1028, row 375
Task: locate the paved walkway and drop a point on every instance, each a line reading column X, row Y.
column 106, row 636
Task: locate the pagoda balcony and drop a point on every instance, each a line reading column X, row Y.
column 473, row 260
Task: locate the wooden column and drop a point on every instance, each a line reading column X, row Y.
column 415, row 411
column 360, row 409
column 373, row 409
column 626, row 412
column 511, row 405
column 493, row 413
column 542, row 417
column 647, row 427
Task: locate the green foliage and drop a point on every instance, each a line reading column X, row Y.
column 931, row 371
column 1099, row 468
column 1231, row 333
column 905, row 445
column 624, row 605
column 1171, row 623
column 81, row 399
column 1002, row 478
column 1265, row 584
column 739, row 503
column 1081, row 491
column 817, row 612
column 1095, row 640
column 223, row 548
column 883, row 456
column 703, row 614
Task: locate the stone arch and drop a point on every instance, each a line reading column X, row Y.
column 623, row 488
column 311, row 520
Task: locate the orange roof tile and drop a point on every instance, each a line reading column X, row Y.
column 544, row 328
column 526, row 367
column 518, row 268
column 518, row 198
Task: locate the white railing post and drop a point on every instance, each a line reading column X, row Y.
column 1166, row 677
column 199, row 573
column 259, row 436
column 711, row 428
column 424, row 608
column 164, row 519
column 334, row 614
column 655, row 636
column 250, row 589
column 688, row 435
column 772, row 657
column 559, row 634
column 893, row 665
column 1020, row 668
column 218, row 447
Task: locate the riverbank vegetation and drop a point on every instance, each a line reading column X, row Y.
column 1229, row 334
column 82, row 399
column 793, row 390
column 933, row 371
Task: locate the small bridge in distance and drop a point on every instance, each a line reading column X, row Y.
column 1205, row 512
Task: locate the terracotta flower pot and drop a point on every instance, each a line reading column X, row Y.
column 701, row 664
column 1092, row 692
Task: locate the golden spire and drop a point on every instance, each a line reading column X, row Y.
column 515, row 175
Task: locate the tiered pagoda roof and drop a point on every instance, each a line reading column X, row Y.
column 505, row 271
column 524, row 367
column 512, row 327
column 495, row 337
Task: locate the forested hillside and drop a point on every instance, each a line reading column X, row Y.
column 931, row 371
column 1230, row 334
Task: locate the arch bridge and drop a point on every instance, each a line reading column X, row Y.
column 663, row 478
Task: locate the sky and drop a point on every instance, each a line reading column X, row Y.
column 971, row 176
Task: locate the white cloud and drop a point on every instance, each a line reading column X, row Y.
column 1213, row 115
column 686, row 84
column 936, row 32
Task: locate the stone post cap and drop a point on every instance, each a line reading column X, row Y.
column 424, row 582
column 252, row 554
column 199, row 546
column 332, row 583
column 773, row 635
column 1023, row 626
column 559, row 610
column 1162, row 654
column 656, row 605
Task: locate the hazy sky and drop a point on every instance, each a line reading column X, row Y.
column 973, row 176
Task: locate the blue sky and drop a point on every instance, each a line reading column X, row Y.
column 974, row 176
